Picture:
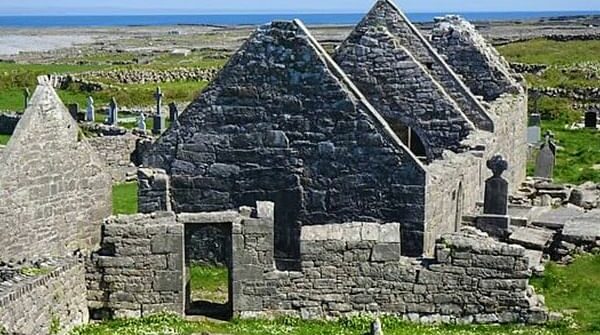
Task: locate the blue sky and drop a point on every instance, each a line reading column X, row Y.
column 71, row 7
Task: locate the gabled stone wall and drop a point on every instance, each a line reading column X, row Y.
column 402, row 90
column 283, row 123
column 54, row 191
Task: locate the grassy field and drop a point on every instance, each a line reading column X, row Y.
column 574, row 289
column 125, row 198
column 209, row 283
column 543, row 51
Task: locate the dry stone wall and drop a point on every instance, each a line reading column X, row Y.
column 54, row 301
column 139, row 269
column 291, row 130
column 54, row 192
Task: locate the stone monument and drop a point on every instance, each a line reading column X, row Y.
column 534, row 130
column 26, row 94
column 142, row 122
column 159, row 120
column 90, row 115
column 173, row 112
column 113, row 113
column 495, row 220
column 544, row 165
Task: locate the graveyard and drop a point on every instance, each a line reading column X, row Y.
column 439, row 179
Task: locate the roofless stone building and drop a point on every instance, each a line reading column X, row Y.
column 385, row 131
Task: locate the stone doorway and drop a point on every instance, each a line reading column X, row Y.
column 208, row 252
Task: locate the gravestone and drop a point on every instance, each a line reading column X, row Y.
column 496, row 188
column 544, row 166
column 26, row 95
column 142, row 122
column 591, row 119
column 173, row 112
column 74, row 111
column 90, row 115
column 159, row 120
column 113, row 113
column 534, row 130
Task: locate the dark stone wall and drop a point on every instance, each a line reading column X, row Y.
column 279, row 124
column 8, row 123
column 386, row 14
column 54, row 191
column 208, row 244
column 402, row 90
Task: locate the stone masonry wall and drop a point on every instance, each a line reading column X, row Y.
column 8, row 123
column 56, row 301
column 357, row 267
column 386, row 13
column 117, row 152
column 54, row 192
column 282, row 123
column 139, row 269
column 402, row 90
column 483, row 69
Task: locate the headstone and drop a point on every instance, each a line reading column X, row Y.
column 74, row 110
column 534, row 130
column 26, row 95
column 159, row 120
column 142, row 122
column 496, row 188
column 90, row 115
column 544, row 166
column 113, row 113
column 591, row 119
column 173, row 112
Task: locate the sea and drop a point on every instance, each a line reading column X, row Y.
column 250, row 19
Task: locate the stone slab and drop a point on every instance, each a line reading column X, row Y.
column 583, row 229
column 531, row 238
column 556, row 218
column 535, row 257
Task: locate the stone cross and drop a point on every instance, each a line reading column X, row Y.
column 113, row 113
column 142, row 122
column 26, row 95
column 173, row 112
column 591, row 119
column 90, row 115
column 158, row 96
column 544, row 165
column 496, row 188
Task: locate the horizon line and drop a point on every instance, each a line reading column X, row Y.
column 293, row 13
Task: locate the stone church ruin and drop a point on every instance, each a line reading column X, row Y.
column 328, row 185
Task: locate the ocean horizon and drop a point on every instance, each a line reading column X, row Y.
column 51, row 21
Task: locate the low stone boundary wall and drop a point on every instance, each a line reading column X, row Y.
column 52, row 303
column 139, row 269
column 579, row 94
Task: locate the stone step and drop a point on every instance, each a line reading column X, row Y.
column 531, row 238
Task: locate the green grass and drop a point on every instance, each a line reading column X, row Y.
column 577, row 154
column 209, row 283
column 4, row 139
column 125, row 198
column 543, row 51
column 576, row 287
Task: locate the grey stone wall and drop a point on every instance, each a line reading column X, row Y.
column 56, row 301
column 54, row 192
column 386, row 14
column 292, row 130
column 402, row 90
column 154, row 192
column 208, row 244
column 139, row 269
column 357, row 267
column 8, row 123
column 117, row 152
column 483, row 69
